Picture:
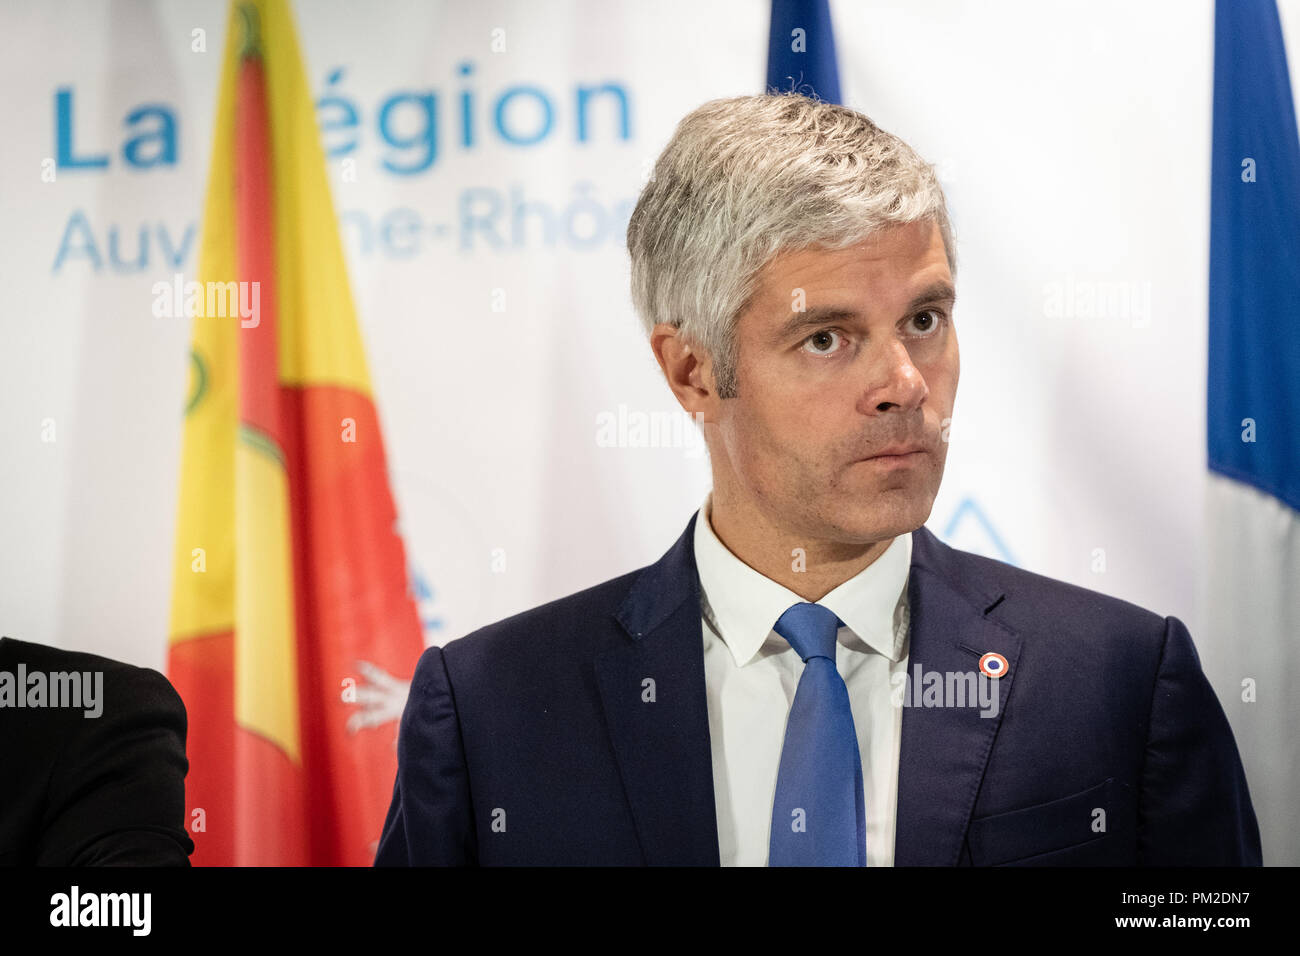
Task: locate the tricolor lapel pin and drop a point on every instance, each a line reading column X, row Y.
column 993, row 665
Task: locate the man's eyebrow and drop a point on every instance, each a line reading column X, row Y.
column 816, row 316
column 941, row 291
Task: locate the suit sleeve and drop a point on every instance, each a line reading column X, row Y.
column 117, row 795
column 1194, row 808
column 430, row 820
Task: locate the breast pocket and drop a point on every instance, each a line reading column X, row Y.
column 1074, row 830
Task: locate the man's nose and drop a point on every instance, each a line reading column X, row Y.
column 895, row 381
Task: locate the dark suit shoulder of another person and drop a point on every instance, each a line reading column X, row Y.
column 82, row 790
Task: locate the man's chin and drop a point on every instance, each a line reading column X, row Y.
column 862, row 525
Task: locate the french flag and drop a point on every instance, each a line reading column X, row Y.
column 1253, row 408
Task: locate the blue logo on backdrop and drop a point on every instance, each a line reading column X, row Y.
column 970, row 529
column 426, row 606
column 408, row 131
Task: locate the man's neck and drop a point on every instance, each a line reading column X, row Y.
column 811, row 569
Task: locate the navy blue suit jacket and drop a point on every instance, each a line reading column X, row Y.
column 530, row 741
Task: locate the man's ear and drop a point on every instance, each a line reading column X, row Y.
column 688, row 369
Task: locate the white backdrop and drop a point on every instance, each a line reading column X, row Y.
column 1073, row 140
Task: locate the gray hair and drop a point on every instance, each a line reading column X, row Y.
column 748, row 177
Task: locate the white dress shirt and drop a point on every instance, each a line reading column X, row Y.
column 751, row 674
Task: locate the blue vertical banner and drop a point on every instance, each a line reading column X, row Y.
column 1253, row 400
column 1252, row 605
column 801, row 50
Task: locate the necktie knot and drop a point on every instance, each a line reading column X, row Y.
column 810, row 629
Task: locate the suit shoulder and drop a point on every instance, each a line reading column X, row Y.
column 549, row 628
column 142, row 686
column 1031, row 598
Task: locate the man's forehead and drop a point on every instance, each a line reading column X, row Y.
column 894, row 248
column 884, row 269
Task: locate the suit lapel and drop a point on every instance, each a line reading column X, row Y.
column 660, row 730
column 945, row 750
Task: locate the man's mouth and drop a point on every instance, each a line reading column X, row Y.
column 898, row 452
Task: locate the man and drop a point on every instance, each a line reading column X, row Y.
column 809, row 676
column 92, row 753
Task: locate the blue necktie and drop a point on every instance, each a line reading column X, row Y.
column 818, row 817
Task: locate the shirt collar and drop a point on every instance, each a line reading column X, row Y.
column 744, row 604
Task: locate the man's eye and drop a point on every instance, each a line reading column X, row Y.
column 824, row 342
column 927, row 321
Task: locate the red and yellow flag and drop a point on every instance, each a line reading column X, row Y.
column 293, row 632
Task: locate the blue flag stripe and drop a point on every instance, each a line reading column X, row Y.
column 1254, row 309
column 803, row 61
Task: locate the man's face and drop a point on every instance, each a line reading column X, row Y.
column 869, row 365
